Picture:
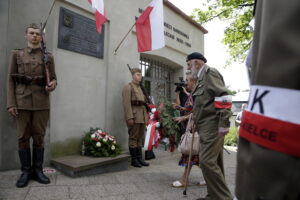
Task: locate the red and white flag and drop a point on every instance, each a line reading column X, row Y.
column 98, row 7
column 150, row 27
column 223, row 102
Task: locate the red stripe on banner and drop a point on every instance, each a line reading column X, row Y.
column 219, row 104
column 100, row 20
column 271, row 133
column 143, row 31
column 152, row 133
column 90, row 1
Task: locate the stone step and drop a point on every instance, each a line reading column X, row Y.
column 77, row 165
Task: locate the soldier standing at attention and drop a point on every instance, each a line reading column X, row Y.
column 136, row 117
column 211, row 112
column 28, row 102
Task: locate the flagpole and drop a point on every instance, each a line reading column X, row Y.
column 115, row 51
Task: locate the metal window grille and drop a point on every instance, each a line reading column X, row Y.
column 156, row 78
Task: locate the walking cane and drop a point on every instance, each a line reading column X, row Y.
column 189, row 165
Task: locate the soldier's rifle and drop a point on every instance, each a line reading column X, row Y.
column 45, row 53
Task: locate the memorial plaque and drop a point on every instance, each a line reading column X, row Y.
column 78, row 33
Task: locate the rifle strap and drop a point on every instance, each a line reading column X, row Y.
column 133, row 93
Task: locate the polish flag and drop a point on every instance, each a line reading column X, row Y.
column 150, row 27
column 98, row 7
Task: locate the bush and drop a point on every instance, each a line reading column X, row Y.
column 231, row 139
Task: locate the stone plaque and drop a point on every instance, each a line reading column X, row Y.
column 78, row 33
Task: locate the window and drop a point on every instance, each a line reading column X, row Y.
column 156, row 78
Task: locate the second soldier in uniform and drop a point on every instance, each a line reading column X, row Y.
column 136, row 117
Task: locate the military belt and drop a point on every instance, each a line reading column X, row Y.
column 138, row 103
column 29, row 80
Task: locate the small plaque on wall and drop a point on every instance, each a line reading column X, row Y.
column 78, row 33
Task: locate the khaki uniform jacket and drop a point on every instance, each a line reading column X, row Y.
column 133, row 92
column 28, row 97
column 210, row 84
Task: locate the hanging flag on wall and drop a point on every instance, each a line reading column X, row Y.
column 150, row 27
column 98, row 7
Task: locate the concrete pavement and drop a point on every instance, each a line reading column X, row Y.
column 145, row 183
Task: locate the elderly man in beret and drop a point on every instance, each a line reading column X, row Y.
column 211, row 113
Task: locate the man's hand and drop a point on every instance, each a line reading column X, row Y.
column 13, row 111
column 52, row 86
column 130, row 122
column 223, row 131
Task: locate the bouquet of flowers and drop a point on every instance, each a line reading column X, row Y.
column 170, row 128
column 98, row 143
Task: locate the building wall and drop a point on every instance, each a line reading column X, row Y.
column 89, row 89
column 3, row 70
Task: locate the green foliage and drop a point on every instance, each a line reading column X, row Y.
column 230, row 91
column 238, row 35
column 231, row 139
column 108, row 148
column 167, row 113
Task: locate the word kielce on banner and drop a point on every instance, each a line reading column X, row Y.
column 150, row 27
column 100, row 15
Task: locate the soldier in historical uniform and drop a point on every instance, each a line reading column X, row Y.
column 211, row 112
column 28, row 102
column 269, row 144
column 136, row 116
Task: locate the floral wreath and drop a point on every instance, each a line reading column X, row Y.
column 99, row 143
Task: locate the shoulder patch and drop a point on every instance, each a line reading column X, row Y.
column 18, row 52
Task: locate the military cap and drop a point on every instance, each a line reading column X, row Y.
column 135, row 70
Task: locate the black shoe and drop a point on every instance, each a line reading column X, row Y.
column 37, row 165
column 152, row 154
column 134, row 161
column 139, row 157
column 25, row 159
column 149, row 155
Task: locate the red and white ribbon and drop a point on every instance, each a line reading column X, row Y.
column 152, row 136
